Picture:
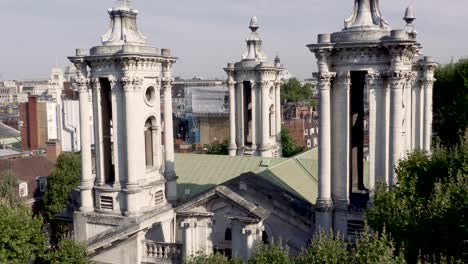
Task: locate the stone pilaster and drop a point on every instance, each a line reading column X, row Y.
column 87, row 181
column 245, row 236
column 265, row 150
column 171, row 179
column 232, row 118
column 324, row 203
column 278, row 116
column 371, row 80
column 157, row 103
column 428, row 68
column 240, row 117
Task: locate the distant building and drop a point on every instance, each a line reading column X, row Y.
column 302, row 123
column 32, row 174
column 47, row 89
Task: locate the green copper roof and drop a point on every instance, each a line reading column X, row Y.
column 198, row 173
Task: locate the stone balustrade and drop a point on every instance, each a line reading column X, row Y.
column 159, row 252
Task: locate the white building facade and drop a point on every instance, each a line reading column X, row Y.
column 374, row 87
column 255, row 105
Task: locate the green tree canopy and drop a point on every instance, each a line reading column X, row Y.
column 21, row 238
column 427, row 213
column 63, row 179
column 68, row 251
column 451, row 102
column 293, row 91
column 8, row 185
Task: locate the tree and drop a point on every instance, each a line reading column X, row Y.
column 290, row 147
column 325, row 248
column 21, row 237
column 218, row 148
column 270, row 254
column 68, row 251
column 213, row 259
column 293, row 91
column 63, row 179
column 451, row 102
column 8, row 184
column 427, row 212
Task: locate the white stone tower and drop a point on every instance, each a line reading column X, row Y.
column 375, row 106
column 126, row 79
column 255, row 106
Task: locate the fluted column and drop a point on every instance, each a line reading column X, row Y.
column 278, row 116
column 131, row 129
column 253, row 123
column 324, row 203
column 98, row 134
column 86, row 185
column 428, row 80
column 232, row 118
column 240, row 115
column 396, row 122
column 381, row 131
column 341, row 146
column 374, row 169
column 265, row 146
column 171, row 184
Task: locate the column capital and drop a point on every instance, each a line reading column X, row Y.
column 397, row 78
column 95, row 83
column 82, row 84
column 131, row 84
column 325, row 79
column 231, row 84
column 264, row 85
column 323, row 54
column 166, row 82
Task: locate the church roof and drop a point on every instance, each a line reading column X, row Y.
column 199, row 173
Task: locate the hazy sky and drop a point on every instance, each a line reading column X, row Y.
column 206, row 34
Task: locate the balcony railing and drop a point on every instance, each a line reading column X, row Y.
column 159, row 252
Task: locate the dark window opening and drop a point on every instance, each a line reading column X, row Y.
column 107, row 127
column 149, row 141
column 358, row 81
column 248, row 113
column 265, row 238
column 228, row 234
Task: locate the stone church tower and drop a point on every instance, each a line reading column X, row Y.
column 255, row 105
column 131, row 175
column 375, row 106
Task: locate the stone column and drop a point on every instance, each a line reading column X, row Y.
column 381, row 130
column 278, row 115
column 265, row 144
column 254, row 115
column 186, row 228
column 341, row 145
column 158, row 138
column 171, row 184
column 418, row 114
column 131, row 132
column 87, row 181
column 428, row 80
column 98, row 136
column 232, row 118
column 372, row 97
column 324, row 203
column 396, row 122
column 245, row 236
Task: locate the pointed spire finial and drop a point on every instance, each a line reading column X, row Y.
column 254, row 24
column 409, row 15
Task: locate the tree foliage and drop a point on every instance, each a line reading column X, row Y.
column 451, row 102
column 427, row 212
column 8, row 184
column 21, row 237
column 294, row 91
column 325, row 248
column 290, row 147
column 68, row 251
column 218, row 148
column 273, row 253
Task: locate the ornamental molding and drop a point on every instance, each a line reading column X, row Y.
column 403, row 54
column 166, row 82
column 325, row 79
column 324, row 205
column 131, row 83
column 264, row 85
column 322, row 55
column 82, row 84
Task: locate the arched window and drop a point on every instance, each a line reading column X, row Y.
column 272, row 121
column 228, row 234
column 149, row 141
column 265, row 238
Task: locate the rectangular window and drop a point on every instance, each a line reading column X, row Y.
column 23, row 189
column 42, row 184
column 107, row 203
column 306, row 132
column 309, row 143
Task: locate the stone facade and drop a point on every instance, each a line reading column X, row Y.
column 255, row 105
column 367, row 67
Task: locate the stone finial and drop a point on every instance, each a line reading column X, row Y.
column 366, row 15
column 124, row 28
column 277, row 59
column 254, row 24
column 409, row 15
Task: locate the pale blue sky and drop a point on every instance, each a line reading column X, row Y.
column 206, row 34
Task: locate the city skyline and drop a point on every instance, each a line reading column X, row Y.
column 207, row 34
